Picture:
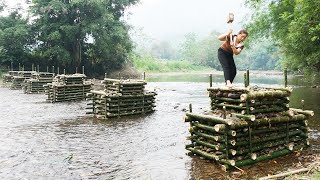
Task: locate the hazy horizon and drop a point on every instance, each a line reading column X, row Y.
column 165, row 20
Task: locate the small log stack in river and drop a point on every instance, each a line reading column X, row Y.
column 121, row 98
column 37, row 82
column 18, row 80
column 247, row 125
column 67, row 88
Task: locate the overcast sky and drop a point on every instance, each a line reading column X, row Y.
column 172, row 19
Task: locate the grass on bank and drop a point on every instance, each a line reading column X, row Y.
column 148, row 63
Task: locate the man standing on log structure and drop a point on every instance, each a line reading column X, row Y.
column 233, row 44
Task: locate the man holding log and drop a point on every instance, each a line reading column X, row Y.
column 233, row 44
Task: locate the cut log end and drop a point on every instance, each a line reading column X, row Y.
column 290, row 146
column 253, row 156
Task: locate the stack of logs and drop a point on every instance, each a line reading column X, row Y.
column 247, row 125
column 67, row 88
column 7, row 78
column 121, row 98
column 37, row 82
column 18, row 80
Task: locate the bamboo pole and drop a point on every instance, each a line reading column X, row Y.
column 203, row 154
column 266, row 157
column 208, row 118
column 304, row 112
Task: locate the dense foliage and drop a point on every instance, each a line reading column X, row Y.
column 294, row 26
column 72, row 33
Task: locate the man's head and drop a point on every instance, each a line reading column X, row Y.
column 242, row 35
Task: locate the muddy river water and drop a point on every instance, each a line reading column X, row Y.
column 41, row 140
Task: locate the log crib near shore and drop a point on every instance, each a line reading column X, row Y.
column 247, row 125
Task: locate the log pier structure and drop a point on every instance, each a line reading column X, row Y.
column 67, row 88
column 121, row 98
column 247, row 125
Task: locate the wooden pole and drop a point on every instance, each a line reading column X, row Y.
column 144, row 75
column 19, row 67
column 58, row 70
column 105, row 75
column 245, row 79
column 32, row 67
column 248, row 78
column 82, row 69
column 64, row 71
column 47, row 69
column 285, row 77
column 52, row 69
column 76, row 70
column 190, row 108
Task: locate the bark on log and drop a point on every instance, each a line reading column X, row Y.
column 203, row 154
column 304, row 112
column 208, row 118
column 264, row 94
column 266, row 157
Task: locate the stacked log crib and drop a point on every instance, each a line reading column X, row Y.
column 67, row 88
column 248, row 125
column 17, row 81
column 37, row 82
column 121, row 98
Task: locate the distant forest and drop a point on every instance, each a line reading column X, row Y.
column 69, row 34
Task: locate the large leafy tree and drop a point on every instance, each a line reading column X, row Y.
column 15, row 40
column 294, row 26
column 71, row 33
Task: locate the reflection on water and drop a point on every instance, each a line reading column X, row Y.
column 58, row 141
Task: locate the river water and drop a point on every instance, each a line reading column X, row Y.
column 41, row 140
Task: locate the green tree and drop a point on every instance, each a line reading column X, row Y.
column 294, row 25
column 71, row 33
column 15, row 40
column 201, row 51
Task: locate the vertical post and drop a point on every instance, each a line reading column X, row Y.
column 52, row 69
column 190, row 108
column 285, row 77
column 11, row 66
column 38, row 67
column 224, row 112
column 22, row 67
column 64, row 71
column 58, row 70
column 8, row 68
column 76, row 70
column 105, row 75
column 144, row 75
column 47, row 68
column 210, row 80
column 119, row 75
column 19, row 67
column 32, row 67
column 248, row 77
column 82, row 69
column 245, row 79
